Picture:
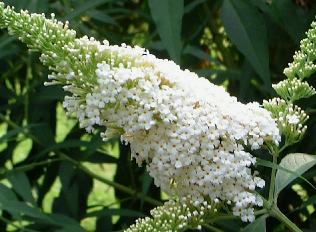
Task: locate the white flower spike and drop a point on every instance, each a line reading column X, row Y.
column 190, row 133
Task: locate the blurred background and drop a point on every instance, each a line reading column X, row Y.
column 55, row 177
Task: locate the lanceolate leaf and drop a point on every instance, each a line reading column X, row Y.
column 21, row 208
column 296, row 162
column 167, row 15
column 21, row 185
column 245, row 26
column 287, row 14
column 110, row 212
column 6, row 194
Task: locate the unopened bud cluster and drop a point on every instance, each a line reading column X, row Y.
column 191, row 134
column 303, row 64
column 294, row 89
column 174, row 216
column 291, row 119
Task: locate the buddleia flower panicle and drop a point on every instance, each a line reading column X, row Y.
column 303, row 64
column 291, row 119
column 181, row 216
column 191, row 134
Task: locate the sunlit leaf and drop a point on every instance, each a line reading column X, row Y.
column 16, row 207
column 167, row 15
column 269, row 164
column 296, row 162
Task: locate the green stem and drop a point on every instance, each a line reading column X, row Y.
column 28, row 167
column 24, row 130
column 272, row 181
column 20, row 228
column 221, row 217
column 275, row 212
column 118, row 186
column 212, row 228
column 29, row 76
column 261, row 211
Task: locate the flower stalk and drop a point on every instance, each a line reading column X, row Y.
column 272, row 180
column 275, row 212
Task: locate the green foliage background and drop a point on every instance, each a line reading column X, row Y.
column 55, row 177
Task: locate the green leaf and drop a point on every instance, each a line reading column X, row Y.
column 98, row 157
column 6, row 194
column 21, row 185
column 121, row 212
column 71, row 143
column 48, row 181
column 167, row 15
column 49, row 93
column 104, row 224
column 67, row 201
column 287, row 15
column 310, row 201
column 146, row 182
column 269, row 164
column 258, row 225
column 38, row 5
column 102, row 17
column 192, row 5
column 199, row 53
column 85, row 7
column 16, row 207
column 7, row 136
column 245, row 26
column 14, row 132
column 68, row 224
column 290, row 18
column 5, row 40
column 245, row 79
column 296, row 162
column 20, row 208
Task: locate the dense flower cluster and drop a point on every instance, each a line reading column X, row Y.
column 190, row 133
column 180, row 215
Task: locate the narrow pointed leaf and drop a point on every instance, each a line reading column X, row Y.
column 248, row 32
column 167, row 15
column 21, row 185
